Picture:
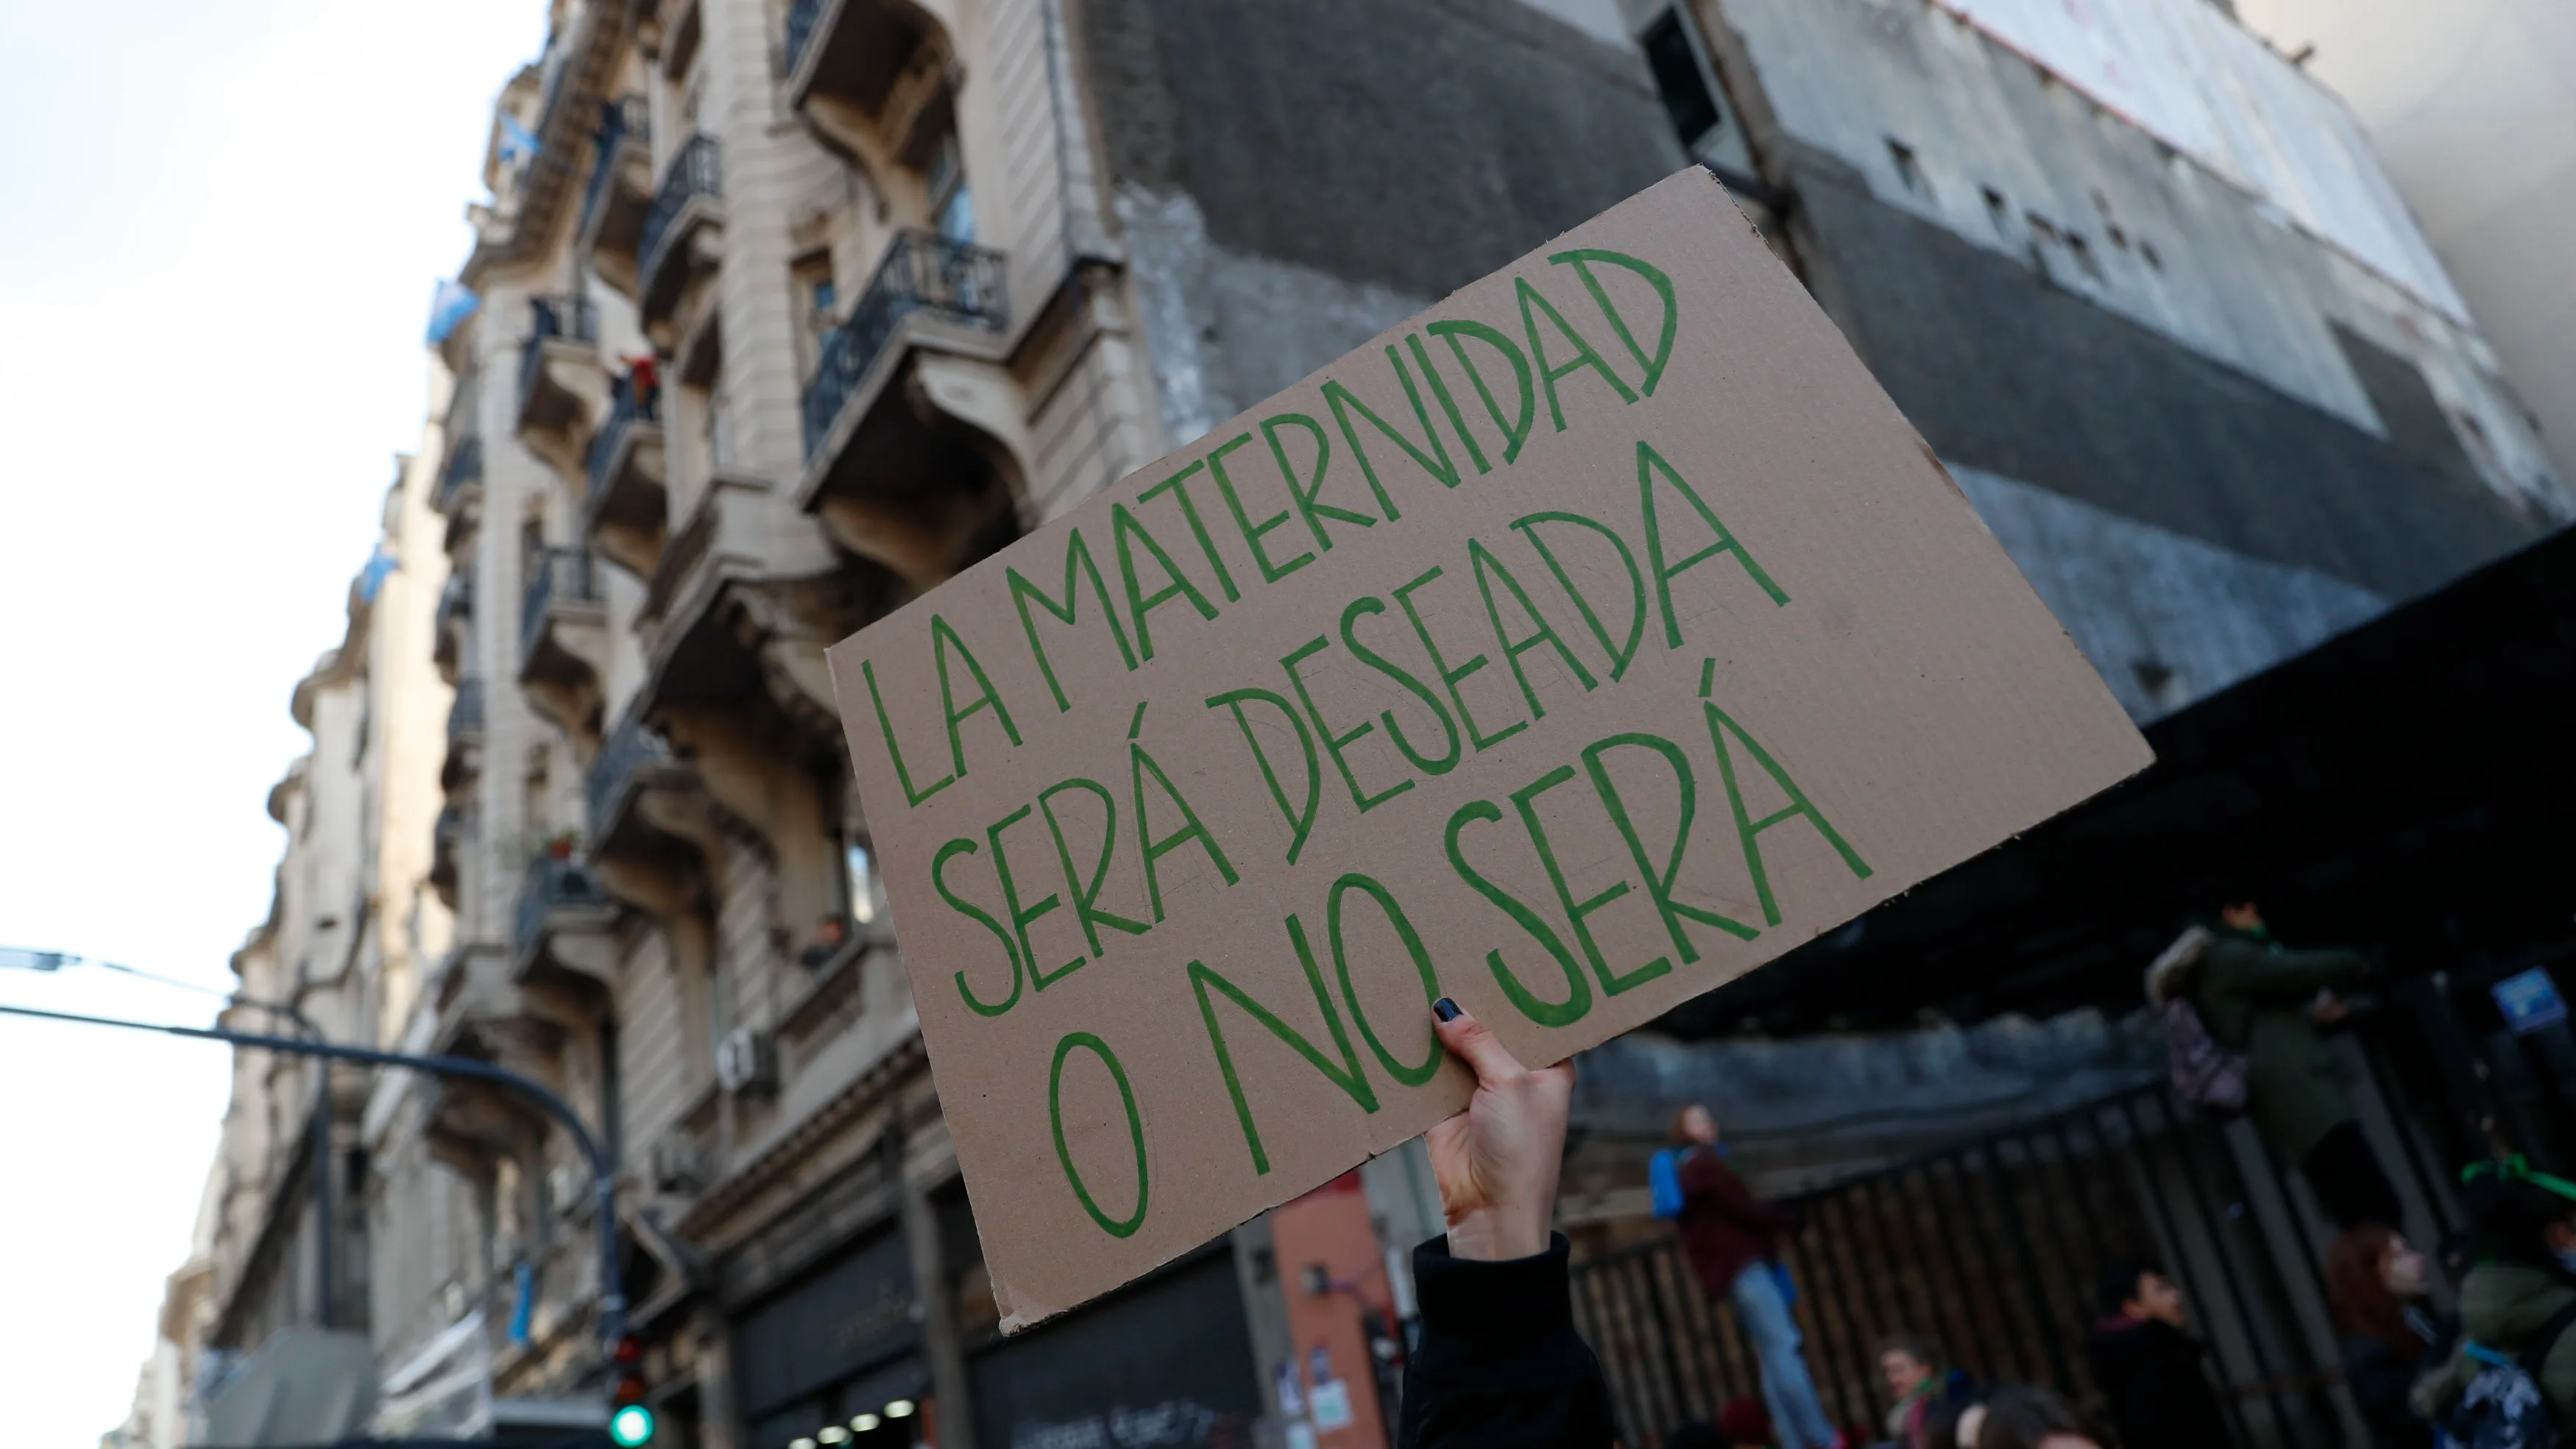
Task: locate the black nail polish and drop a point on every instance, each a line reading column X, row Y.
column 1445, row 1009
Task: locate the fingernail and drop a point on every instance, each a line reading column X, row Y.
column 1445, row 1009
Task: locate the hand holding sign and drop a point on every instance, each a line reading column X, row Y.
column 1496, row 1162
column 1568, row 652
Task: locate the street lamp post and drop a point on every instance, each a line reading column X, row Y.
column 325, row 1235
column 612, row 1298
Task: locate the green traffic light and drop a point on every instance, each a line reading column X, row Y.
column 631, row 1426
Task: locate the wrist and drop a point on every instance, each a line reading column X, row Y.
column 1497, row 1235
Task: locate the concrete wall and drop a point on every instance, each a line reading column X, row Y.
column 1294, row 175
column 2475, row 117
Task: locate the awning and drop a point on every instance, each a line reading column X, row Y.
column 2406, row 787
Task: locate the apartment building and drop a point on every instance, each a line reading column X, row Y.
column 788, row 311
column 787, row 314
column 274, row 1294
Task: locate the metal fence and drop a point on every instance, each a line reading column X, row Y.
column 1993, row 1248
column 922, row 272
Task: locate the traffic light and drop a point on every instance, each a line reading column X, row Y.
column 630, row 1420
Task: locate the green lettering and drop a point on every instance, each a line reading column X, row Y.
column 1114, row 1227
column 1578, row 991
column 1578, row 912
column 1448, row 404
column 1436, row 462
column 1346, row 1076
column 1307, row 508
column 1451, row 678
column 1077, row 554
column 1515, row 432
column 1410, row 1075
column 1378, row 662
column 1084, row 894
column 1139, row 764
column 1178, row 484
column 1659, row 884
column 1746, row 827
column 1334, row 744
column 1584, row 356
column 1299, row 821
column 1619, row 656
column 911, row 797
column 1123, row 526
column 1650, row 463
column 1487, row 568
column 973, row 912
column 1251, row 531
column 942, row 639
column 1582, row 259
column 1022, row 918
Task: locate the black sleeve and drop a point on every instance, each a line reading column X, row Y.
column 1500, row 1365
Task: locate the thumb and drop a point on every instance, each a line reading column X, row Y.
column 1475, row 1043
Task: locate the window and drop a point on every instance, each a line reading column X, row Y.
column 858, row 881
column 816, row 300
column 1908, row 170
column 952, row 206
column 1689, row 99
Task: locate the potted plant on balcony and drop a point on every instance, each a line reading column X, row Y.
column 562, row 843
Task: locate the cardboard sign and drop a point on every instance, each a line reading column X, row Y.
column 1570, row 649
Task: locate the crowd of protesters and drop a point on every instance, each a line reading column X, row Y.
column 1501, row 1364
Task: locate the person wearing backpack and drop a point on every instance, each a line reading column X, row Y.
column 2264, row 1004
column 1728, row 1235
column 2511, row 1383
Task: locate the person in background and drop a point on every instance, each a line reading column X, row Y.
column 1499, row 1365
column 2266, row 1004
column 2379, row 1288
column 1697, row 1435
column 1744, row 1424
column 1954, row 1422
column 1728, row 1235
column 830, row 934
column 2147, row 1366
column 2519, row 1296
column 1911, row 1368
column 2024, row 1418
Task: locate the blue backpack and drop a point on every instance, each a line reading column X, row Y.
column 1664, row 1181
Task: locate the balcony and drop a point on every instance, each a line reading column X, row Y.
column 892, row 484
column 464, row 469
column 563, row 637
column 444, row 838
column 560, row 383
column 632, row 766
column 872, row 76
column 626, row 512
column 451, row 625
column 618, row 196
column 464, row 736
column 559, row 937
column 678, row 244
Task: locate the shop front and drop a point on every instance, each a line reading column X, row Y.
column 836, row 1361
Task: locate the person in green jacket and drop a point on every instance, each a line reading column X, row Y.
column 2266, row 1004
column 2520, row 1294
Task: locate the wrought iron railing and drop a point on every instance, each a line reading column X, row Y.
column 551, row 882
column 556, row 317
column 465, row 713
column 630, row 401
column 802, row 17
column 630, row 748
column 922, row 272
column 464, row 465
column 555, row 576
column 693, row 173
column 1992, row 1249
column 456, row 601
column 622, row 119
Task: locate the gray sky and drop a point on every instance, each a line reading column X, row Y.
column 219, row 226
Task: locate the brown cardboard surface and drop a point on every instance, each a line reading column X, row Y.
column 1716, row 553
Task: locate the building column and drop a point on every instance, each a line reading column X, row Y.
column 940, row 1341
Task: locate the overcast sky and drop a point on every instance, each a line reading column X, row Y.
column 219, row 224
